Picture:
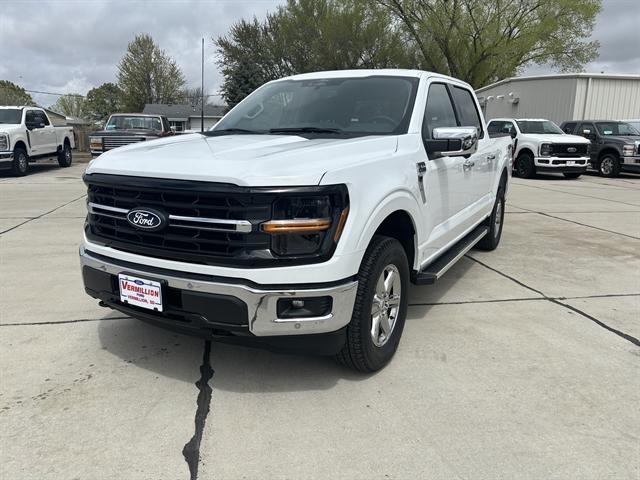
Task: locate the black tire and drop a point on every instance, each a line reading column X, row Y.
column 64, row 156
column 20, row 165
column 609, row 165
column 571, row 175
column 360, row 352
column 524, row 166
column 495, row 222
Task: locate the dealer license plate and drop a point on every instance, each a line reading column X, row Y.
column 140, row 292
column 571, row 164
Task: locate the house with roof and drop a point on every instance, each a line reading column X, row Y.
column 186, row 117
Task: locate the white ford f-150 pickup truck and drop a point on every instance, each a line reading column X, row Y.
column 27, row 135
column 301, row 219
column 541, row 146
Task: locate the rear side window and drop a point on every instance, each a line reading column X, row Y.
column 439, row 110
column 467, row 111
column 569, row 127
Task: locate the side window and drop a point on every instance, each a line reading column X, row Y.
column 439, row 110
column 30, row 117
column 42, row 118
column 509, row 128
column 467, row 111
column 495, row 126
column 569, row 127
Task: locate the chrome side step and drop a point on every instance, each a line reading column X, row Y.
column 444, row 262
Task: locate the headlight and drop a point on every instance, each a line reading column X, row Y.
column 304, row 225
column 545, row 149
column 628, row 150
column 588, row 149
column 95, row 143
column 4, row 142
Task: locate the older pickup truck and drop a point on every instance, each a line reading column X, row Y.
column 126, row 128
column 302, row 218
column 27, row 135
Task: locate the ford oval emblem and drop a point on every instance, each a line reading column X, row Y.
column 147, row 219
column 572, row 150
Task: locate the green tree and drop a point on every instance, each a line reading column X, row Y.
column 146, row 74
column 102, row 101
column 305, row 36
column 71, row 105
column 12, row 94
column 483, row 41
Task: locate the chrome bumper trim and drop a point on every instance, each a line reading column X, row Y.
column 261, row 303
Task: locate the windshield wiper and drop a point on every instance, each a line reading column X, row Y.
column 306, row 130
column 229, row 131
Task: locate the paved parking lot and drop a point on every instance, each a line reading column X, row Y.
column 521, row 363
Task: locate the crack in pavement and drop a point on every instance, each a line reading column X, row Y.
column 191, row 450
column 43, row 215
column 557, row 301
column 576, row 223
column 61, row 322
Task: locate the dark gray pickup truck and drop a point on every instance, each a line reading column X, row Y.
column 615, row 145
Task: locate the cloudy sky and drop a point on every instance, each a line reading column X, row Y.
column 71, row 46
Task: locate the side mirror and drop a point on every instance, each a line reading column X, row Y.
column 513, row 134
column 587, row 134
column 30, row 125
column 452, row 142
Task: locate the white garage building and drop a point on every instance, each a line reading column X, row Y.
column 575, row 96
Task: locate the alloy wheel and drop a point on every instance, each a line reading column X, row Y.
column 385, row 305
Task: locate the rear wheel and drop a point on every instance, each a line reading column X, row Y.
column 525, row 168
column 495, row 221
column 20, row 162
column 64, row 156
column 572, row 174
column 609, row 166
column 380, row 308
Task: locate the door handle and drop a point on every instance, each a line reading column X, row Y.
column 468, row 164
column 491, row 157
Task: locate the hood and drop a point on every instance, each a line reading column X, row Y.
column 556, row 138
column 6, row 127
column 247, row 160
column 131, row 131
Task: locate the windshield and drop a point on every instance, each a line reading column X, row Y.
column 616, row 128
column 539, row 126
column 131, row 122
column 10, row 115
column 376, row 105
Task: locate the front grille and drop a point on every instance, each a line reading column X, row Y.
column 193, row 235
column 111, row 142
column 561, row 150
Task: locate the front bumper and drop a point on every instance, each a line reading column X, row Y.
column 562, row 164
column 630, row 164
column 202, row 304
column 6, row 160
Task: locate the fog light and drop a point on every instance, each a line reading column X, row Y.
column 304, row 307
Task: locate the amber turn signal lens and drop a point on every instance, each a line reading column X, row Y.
column 341, row 222
column 297, row 226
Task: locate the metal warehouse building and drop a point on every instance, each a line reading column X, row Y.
column 576, row 96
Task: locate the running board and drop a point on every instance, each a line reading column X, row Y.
column 444, row 262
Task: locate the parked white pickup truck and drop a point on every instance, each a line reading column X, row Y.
column 301, row 219
column 541, row 146
column 27, row 135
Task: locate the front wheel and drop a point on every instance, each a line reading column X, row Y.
column 380, row 308
column 609, row 166
column 571, row 175
column 524, row 167
column 64, row 156
column 20, row 165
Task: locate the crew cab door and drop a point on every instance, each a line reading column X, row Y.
column 446, row 181
column 37, row 136
column 481, row 165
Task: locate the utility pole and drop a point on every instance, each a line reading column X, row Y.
column 202, row 93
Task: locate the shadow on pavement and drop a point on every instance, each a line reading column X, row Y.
column 237, row 368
